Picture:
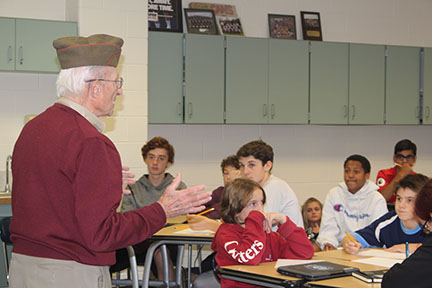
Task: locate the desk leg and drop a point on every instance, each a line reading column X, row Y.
column 189, row 285
column 165, row 265
column 179, row 263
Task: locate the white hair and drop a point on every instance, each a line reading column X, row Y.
column 72, row 80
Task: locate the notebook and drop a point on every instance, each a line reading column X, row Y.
column 370, row 276
column 317, row 270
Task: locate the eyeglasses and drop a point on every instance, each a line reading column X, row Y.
column 401, row 157
column 425, row 229
column 119, row 81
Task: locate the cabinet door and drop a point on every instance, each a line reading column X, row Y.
column 329, row 83
column 165, row 77
column 204, row 79
column 34, row 50
column 246, row 80
column 7, row 44
column 288, row 81
column 366, row 84
column 427, row 90
column 402, row 85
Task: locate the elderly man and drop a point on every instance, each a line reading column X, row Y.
column 68, row 179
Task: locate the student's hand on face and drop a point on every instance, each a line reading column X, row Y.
column 234, row 174
column 405, row 169
column 350, row 247
column 273, row 219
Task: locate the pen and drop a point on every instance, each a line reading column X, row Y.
column 406, row 249
column 182, row 227
column 206, row 211
column 352, row 239
column 397, row 164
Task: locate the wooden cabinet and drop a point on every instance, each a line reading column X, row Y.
column 26, row 44
column 366, row 84
column 288, row 82
column 246, row 80
column 427, row 87
column 329, row 83
column 165, row 78
column 204, row 79
column 403, row 85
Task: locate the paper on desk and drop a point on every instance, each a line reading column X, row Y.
column 382, row 253
column 289, row 262
column 194, row 232
column 379, row 261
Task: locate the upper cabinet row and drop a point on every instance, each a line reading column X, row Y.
column 26, row 44
column 238, row 80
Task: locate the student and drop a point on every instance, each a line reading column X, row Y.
column 416, row 271
column 256, row 162
column 405, row 156
column 158, row 155
column 353, row 204
column 230, row 170
column 311, row 212
column 246, row 236
column 395, row 228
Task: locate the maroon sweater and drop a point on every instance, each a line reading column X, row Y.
column 236, row 245
column 66, row 189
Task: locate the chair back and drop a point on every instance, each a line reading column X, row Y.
column 4, row 230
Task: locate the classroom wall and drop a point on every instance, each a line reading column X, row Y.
column 308, row 157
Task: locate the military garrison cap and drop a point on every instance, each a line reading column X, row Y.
column 97, row 50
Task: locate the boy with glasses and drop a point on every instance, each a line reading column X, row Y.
column 405, row 156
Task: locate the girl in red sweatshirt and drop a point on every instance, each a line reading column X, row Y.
column 246, row 236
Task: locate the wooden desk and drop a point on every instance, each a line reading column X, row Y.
column 167, row 236
column 265, row 274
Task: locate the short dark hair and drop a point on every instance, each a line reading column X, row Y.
column 423, row 204
column 235, row 197
column 415, row 182
column 258, row 149
column 231, row 160
column 159, row 142
column 363, row 161
column 405, row 144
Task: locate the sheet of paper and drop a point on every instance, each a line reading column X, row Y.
column 289, row 262
column 194, row 232
column 382, row 253
column 379, row 261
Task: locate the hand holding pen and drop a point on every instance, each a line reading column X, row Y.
column 350, row 244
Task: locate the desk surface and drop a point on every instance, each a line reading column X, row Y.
column 336, row 256
column 169, row 233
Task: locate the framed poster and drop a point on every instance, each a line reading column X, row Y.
column 226, row 17
column 311, row 25
column 165, row 15
column 282, row 26
column 201, row 21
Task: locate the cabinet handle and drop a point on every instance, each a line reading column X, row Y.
column 21, row 55
column 353, row 112
column 265, row 110
column 190, row 109
column 272, row 111
column 9, row 54
column 427, row 112
column 179, row 110
column 345, row 111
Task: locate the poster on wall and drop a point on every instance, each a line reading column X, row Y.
column 282, row 26
column 226, row 17
column 311, row 25
column 165, row 15
column 201, row 21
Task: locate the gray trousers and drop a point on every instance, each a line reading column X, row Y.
column 36, row 272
